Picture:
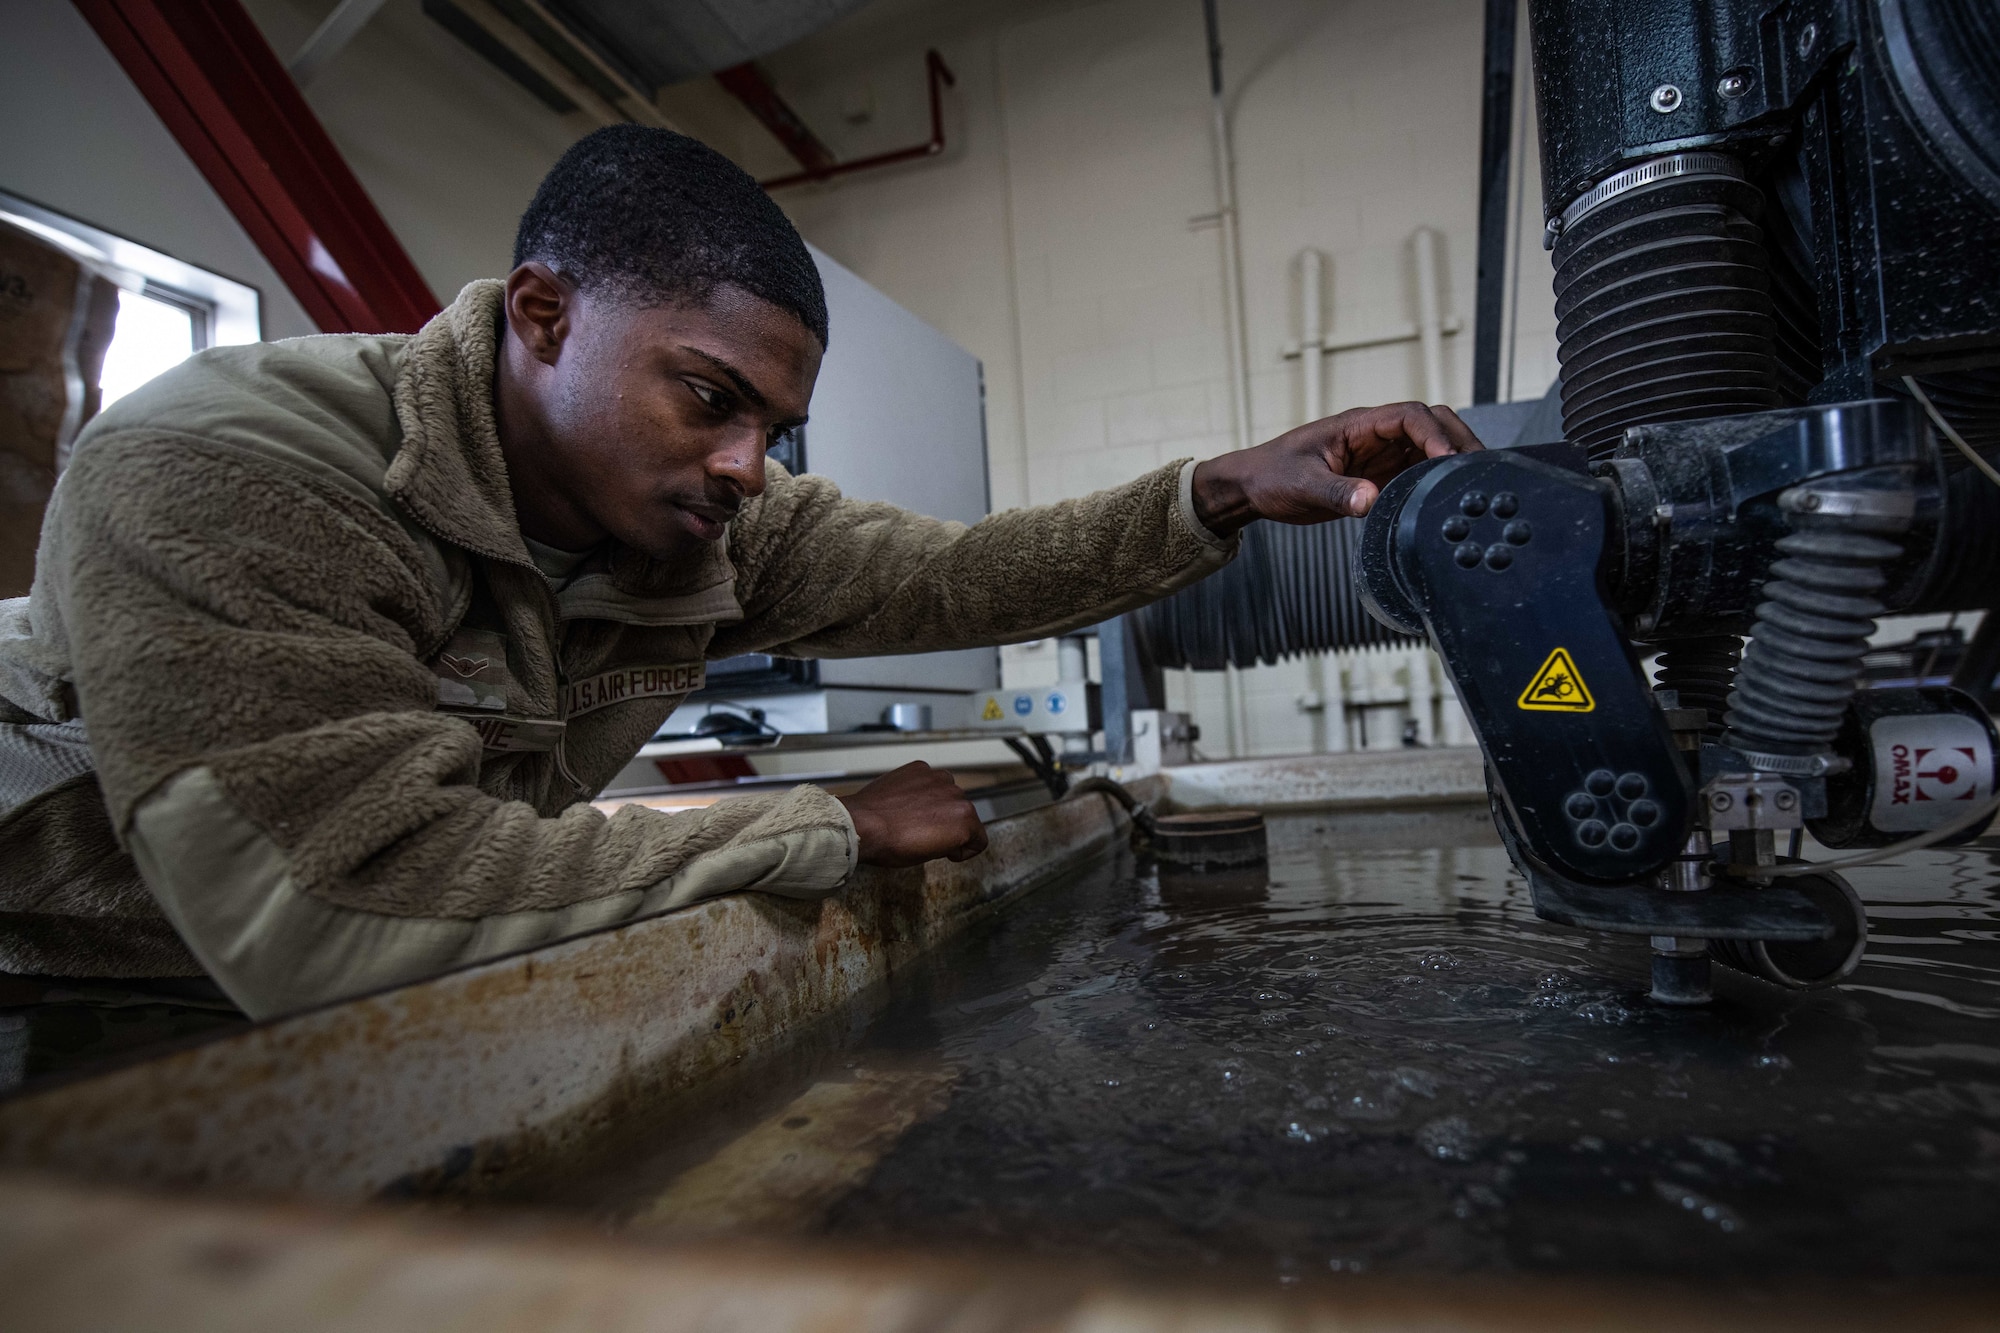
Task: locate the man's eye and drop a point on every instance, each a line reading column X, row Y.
column 712, row 398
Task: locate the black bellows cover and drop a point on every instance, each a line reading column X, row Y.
column 1290, row 591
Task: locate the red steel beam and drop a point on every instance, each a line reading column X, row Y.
column 221, row 91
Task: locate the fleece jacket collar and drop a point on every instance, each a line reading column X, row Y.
column 450, row 475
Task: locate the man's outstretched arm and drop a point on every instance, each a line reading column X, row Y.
column 824, row 576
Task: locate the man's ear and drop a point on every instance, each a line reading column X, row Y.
column 539, row 304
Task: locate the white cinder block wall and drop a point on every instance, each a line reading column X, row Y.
column 1068, row 237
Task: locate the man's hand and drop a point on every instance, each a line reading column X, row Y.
column 912, row 815
column 1325, row 469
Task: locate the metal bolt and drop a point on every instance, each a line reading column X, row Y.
column 1807, row 36
column 1787, row 798
column 1810, row 501
column 1663, row 516
column 1721, row 801
column 1733, row 85
column 1666, row 98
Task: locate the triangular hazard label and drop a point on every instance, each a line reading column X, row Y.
column 1557, row 688
column 991, row 713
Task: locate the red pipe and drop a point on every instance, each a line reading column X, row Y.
column 221, row 91
column 939, row 75
column 751, row 86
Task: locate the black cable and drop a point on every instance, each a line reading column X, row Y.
column 1041, row 761
column 1142, row 817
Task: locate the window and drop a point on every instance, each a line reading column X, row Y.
column 167, row 310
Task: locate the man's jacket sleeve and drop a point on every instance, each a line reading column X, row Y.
column 248, row 642
column 820, row 575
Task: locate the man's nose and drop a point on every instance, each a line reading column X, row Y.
column 740, row 462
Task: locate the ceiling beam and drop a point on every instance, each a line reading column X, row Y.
column 221, row 91
column 537, row 57
column 331, row 37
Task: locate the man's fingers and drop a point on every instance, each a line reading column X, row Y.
column 1424, row 427
column 1462, row 439
column 914, row 814
column 1350, row 497
column 975, row 840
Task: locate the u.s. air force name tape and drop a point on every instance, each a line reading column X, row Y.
column 647, row 682
column 508, row 733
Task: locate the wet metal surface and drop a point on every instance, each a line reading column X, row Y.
column 1382, row 1063
column 1353, row 781
column 456, row 1086
column 787, row 1170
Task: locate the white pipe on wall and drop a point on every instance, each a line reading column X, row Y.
column 1312, row 334
column 1232, row 275
column 1235, row 732
column 1430, row 313
column 1312, row 368
column 1233, row 316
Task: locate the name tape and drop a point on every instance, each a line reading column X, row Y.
column 648, row 682
column 509, row 734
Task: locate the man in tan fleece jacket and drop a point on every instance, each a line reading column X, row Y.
column 332, row 639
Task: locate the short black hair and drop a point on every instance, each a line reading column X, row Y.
column 659, row 217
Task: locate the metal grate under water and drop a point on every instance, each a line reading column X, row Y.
column 1381, row 1062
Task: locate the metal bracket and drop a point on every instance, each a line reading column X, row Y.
column 1751, row 801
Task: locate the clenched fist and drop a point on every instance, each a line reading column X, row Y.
column 1327, row 469
column 912, row 815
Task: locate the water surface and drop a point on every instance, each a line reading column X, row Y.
column 1382, row 1061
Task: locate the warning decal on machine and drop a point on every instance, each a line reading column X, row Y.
column 991, row 713
column 1557, row 688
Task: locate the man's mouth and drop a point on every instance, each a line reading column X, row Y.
column 707, row 522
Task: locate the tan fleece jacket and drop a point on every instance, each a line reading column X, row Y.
column 287, row 662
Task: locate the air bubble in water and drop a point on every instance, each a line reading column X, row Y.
column 1720, row 1215
column 1716, row 1149
column 1448, row 1138
column 1417, row 1080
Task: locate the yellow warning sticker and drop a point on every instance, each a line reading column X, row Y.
column 1557, row 688
column 991, row 713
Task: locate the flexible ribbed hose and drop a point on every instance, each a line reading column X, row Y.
column 1663, row 307
column 1812, row 628
column 1701, row 670
column 1289, row 591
